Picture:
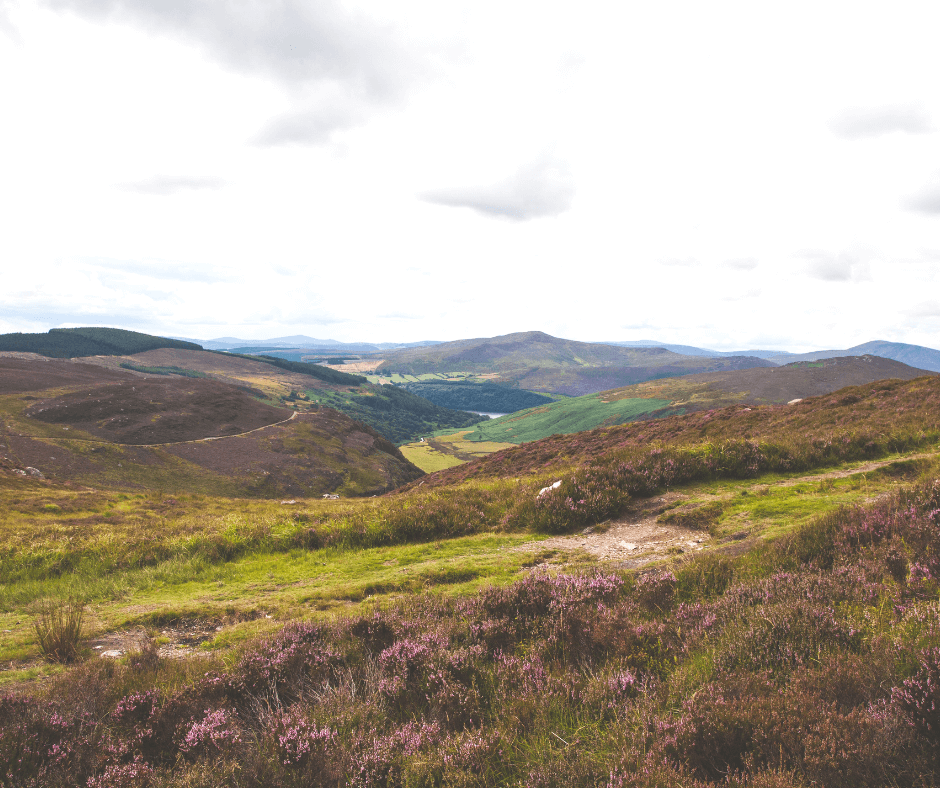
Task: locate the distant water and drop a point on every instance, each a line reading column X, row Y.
column 491, row 415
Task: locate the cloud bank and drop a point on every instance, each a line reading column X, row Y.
column 542, row 188
column 312, row 48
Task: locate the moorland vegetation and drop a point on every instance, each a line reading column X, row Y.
column 801, row 648
column 669, row 396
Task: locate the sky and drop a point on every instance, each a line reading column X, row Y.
column 729, row 175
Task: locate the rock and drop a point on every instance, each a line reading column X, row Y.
column 628, row 545
column 35, row 472
column 19, row 471
column 794, row 401
column 112, row 654
column 288, row 503
column 331, row 496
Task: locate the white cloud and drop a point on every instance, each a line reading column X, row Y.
column 162, row 270
column 842, row 267
column 304, row 46
column 927, row 200
column 7, row 26
column 861, row 122
column 311, row 125
column 742, row 263
column 541, row 188
column 167, row 185
column 925, row 309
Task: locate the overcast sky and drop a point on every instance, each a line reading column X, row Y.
column 728, row 175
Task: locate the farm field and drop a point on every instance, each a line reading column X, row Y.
column 693, row 595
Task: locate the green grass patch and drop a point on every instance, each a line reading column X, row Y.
column 573, row 414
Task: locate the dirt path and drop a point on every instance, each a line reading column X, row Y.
column 636, row 538
column 157, row 445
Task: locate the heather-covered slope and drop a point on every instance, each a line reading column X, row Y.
column 117, row 429
column 395, row 413
column 427, row 638
column 849, row 423
column 668, row 396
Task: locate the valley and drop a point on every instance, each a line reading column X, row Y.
column 728, row 558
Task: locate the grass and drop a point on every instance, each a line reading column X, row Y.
column 427, row 458
column 223, row 559
column 573, row 414
column 58, row 626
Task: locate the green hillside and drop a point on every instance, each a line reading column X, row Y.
column 481, row 397
column 667, row 396
column 399, row 415
column 80, row 342
column 575, row 414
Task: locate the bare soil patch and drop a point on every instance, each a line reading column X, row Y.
column 634, row 538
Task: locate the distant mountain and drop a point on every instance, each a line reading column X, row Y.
column 537, row 361
column 690, row 350
column 912, row 355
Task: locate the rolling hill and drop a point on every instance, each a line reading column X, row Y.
column 108, row 427
column 90, row 341
column 395, row 413
column 666, row 397
column 854, row 419
column 538, row 362
column 914, row 355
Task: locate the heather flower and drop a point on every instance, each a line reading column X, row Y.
column 217, row 731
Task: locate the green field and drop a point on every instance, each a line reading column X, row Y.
column 574, row 414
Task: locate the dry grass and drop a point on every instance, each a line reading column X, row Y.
column 58, row 628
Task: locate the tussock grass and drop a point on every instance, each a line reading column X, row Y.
column 58, row 626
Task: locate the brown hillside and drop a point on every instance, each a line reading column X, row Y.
column 761, row 386
column 211, row 437
column 161, row 410
column 877, row 409
column 20, row 374
column 229, row 369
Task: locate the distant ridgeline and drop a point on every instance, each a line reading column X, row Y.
column 78, row 342
column 480, row 397
column 313, row 370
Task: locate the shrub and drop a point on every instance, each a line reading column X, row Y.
column 58, row 628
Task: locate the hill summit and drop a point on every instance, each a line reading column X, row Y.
column 538, row 361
